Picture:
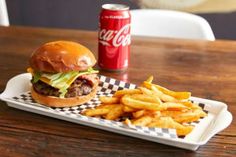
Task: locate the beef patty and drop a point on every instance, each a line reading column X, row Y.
column 78, row 88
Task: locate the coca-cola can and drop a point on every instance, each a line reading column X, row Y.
column 114, row 37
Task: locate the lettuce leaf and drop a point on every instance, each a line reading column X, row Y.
column 62, row 81
column 36, row 77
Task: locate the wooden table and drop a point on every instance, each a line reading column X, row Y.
column 207, row 69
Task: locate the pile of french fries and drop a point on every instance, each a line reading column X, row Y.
column 150, row 105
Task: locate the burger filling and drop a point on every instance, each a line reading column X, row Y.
column 64, row 85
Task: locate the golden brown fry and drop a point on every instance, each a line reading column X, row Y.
column 172, row 114
column 168, row 122
column 168, row 98
column 162, row 96
column 106, row 106
column 127, row 100
column 176, row 95
column 138, row 114
column 200, row 113
column 175, row 106
column 129, row 109
column 145, row 91
column 109, row 100
column 142, row 121
column 95, row 112
column 127, row 121
column 184, row 117
column 123, row 92
column 191, row 105
column 185, row 130
column 115, row 113
column 150, row 79
column 141, row 113
column 146, row 98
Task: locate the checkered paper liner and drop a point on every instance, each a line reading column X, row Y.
column 107, row 86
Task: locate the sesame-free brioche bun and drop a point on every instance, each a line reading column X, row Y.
column 52, row 101
column 62, row 56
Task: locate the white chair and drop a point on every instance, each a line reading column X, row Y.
column 173, row 24
column 4, row 21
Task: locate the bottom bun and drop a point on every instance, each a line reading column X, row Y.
column 52, row 101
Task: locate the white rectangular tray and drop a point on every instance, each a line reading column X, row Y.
column 17, row 95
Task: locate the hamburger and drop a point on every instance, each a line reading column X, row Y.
column 62, row 74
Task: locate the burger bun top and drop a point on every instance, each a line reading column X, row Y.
column 62, row 56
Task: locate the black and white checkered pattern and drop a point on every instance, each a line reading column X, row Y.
column 107, row 87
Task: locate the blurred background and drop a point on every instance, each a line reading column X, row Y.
column 83, row 14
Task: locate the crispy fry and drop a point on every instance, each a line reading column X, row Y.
column 150, row 79
column 123, row 92
column 95, row 112
column 146, row 98
column 109, row 100
column 127, row 100
column 168, row 122
column 176, row 95
column 168, row 98
column 145, row 91
column 142, row 121
column 127, row 121
column 200, row 113
column 171, row 114
column 162, row 96
column 184, row 117
column 115, row 113
column 191, row 105
column 129, row 109
column 106, row 106
column 175, row 106
column 138, row 114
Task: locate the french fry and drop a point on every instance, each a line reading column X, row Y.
column 109, row 100
column 129, row 109
column 177, row 95
column 183, row 117
column 146, row 98
column 138, row 114
column 171, row 114
column 115, row 113
column 141, row 113
column 191, row 105
column 162, row 96
column 175, row 106
column 142, row 121
column 106, row 106
column 123, row 92
column 145, row 91
column 127, row 122
column 200, row 113
column 95, row 112
column 186, row 117
column 168, row 122
column 150, row 79
column 127, row 100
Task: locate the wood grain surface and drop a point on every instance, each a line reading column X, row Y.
column 207, row 69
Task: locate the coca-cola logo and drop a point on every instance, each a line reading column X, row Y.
column 115, row 37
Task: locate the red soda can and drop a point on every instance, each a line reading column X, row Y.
column 114, row 37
